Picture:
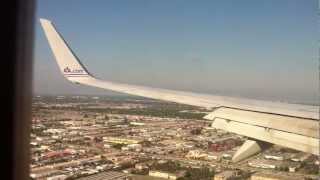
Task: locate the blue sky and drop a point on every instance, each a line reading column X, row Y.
column 265, row 49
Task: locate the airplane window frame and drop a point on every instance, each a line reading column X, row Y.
column 16, row 69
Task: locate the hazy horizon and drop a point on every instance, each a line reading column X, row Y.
column 256, row 49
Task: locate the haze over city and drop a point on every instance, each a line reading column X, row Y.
column 257, row 49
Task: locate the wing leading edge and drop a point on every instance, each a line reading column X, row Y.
column 73, row 70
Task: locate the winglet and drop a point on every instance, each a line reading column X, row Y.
column 70, row 66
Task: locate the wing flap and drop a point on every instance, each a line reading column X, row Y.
column 305, row 127
column 286, row 139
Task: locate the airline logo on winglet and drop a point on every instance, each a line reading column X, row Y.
column 74, row 72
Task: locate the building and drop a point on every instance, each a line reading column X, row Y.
column 225, row 175
column 196, row 154
column 120, row 140
column 273, row 176
column 58, row 177
column 57, row 154
column 159, row 174
column 167, row 175
column 277, row 157
column 132, row 147
column 224, row 144
column 141, row 166
column 231, row 174
column 137, row 123
column 109, row 175
column 43, row 173
column 211, row 157
column 265, row 164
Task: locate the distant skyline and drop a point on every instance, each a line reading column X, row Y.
column 251, row 48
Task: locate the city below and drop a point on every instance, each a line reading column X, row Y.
column 125, row 137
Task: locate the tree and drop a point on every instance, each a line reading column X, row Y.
column 118, row 146
column 196, row 131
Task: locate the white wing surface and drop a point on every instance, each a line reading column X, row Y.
column 293, row 119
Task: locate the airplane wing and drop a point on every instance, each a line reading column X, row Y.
column 291, row 125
